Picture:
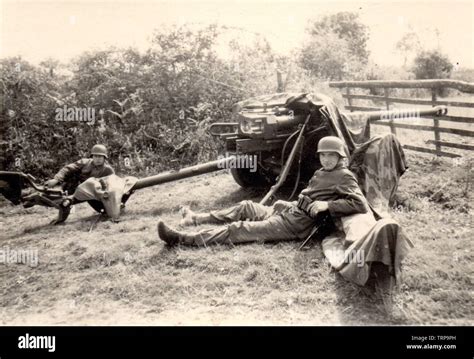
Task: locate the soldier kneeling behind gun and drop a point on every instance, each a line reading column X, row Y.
column 71, row 175
column 332, row 192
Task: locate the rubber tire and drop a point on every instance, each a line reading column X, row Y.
column 247, row 179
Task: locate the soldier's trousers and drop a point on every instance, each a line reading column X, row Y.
column 252, row 222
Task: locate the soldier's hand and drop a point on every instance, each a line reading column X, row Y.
column 316, row 207
column 279, row 206
column 52, row 182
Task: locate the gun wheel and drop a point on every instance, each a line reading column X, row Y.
column 247, row 179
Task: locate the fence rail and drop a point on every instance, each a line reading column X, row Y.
column 434, row 86
column 409, row 100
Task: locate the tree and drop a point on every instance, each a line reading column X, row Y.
column 336, row 48
column 254, row 65
column 432, row 65
column 408, row 44
column 50, row 65
column 347, row 26
column 328, row 57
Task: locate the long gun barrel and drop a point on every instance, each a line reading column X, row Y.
column 398, row 114
column 212, row 166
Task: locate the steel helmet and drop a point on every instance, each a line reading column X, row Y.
column 331, row 144
column 99, row 150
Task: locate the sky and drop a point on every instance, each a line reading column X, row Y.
column 63, row 29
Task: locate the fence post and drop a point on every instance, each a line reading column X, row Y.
column 349, row 99
column 436, row 122
column 387, row 104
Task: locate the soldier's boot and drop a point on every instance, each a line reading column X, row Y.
column 64, row 210
column 167, row 234
column 173, row 237
column 191, row 218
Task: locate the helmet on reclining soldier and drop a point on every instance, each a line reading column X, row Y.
column 331, row 144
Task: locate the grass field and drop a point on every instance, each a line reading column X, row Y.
column 122, row 274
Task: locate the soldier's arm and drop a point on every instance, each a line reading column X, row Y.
column 108, row 170
column 70, row 169
column 351, row 199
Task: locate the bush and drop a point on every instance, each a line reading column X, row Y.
column 151, row 109
column 31, row 139
column 336, row 48
column 432, row 65
column 329, row 58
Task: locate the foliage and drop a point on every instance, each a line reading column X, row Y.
column 147, row 107
column 346, row 26
column 29, row 133
column 336, row 48
column 432, row 65
column 151, row 109
column 407, row 45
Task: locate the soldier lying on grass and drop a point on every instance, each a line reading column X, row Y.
column 367, row 248
column 332, row 192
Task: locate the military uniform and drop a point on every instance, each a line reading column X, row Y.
column 255, row 222
column 73, row 174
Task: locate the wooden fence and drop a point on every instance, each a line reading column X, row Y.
column 433, row 86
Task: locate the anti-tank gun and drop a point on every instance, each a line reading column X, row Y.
column 268, row 126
